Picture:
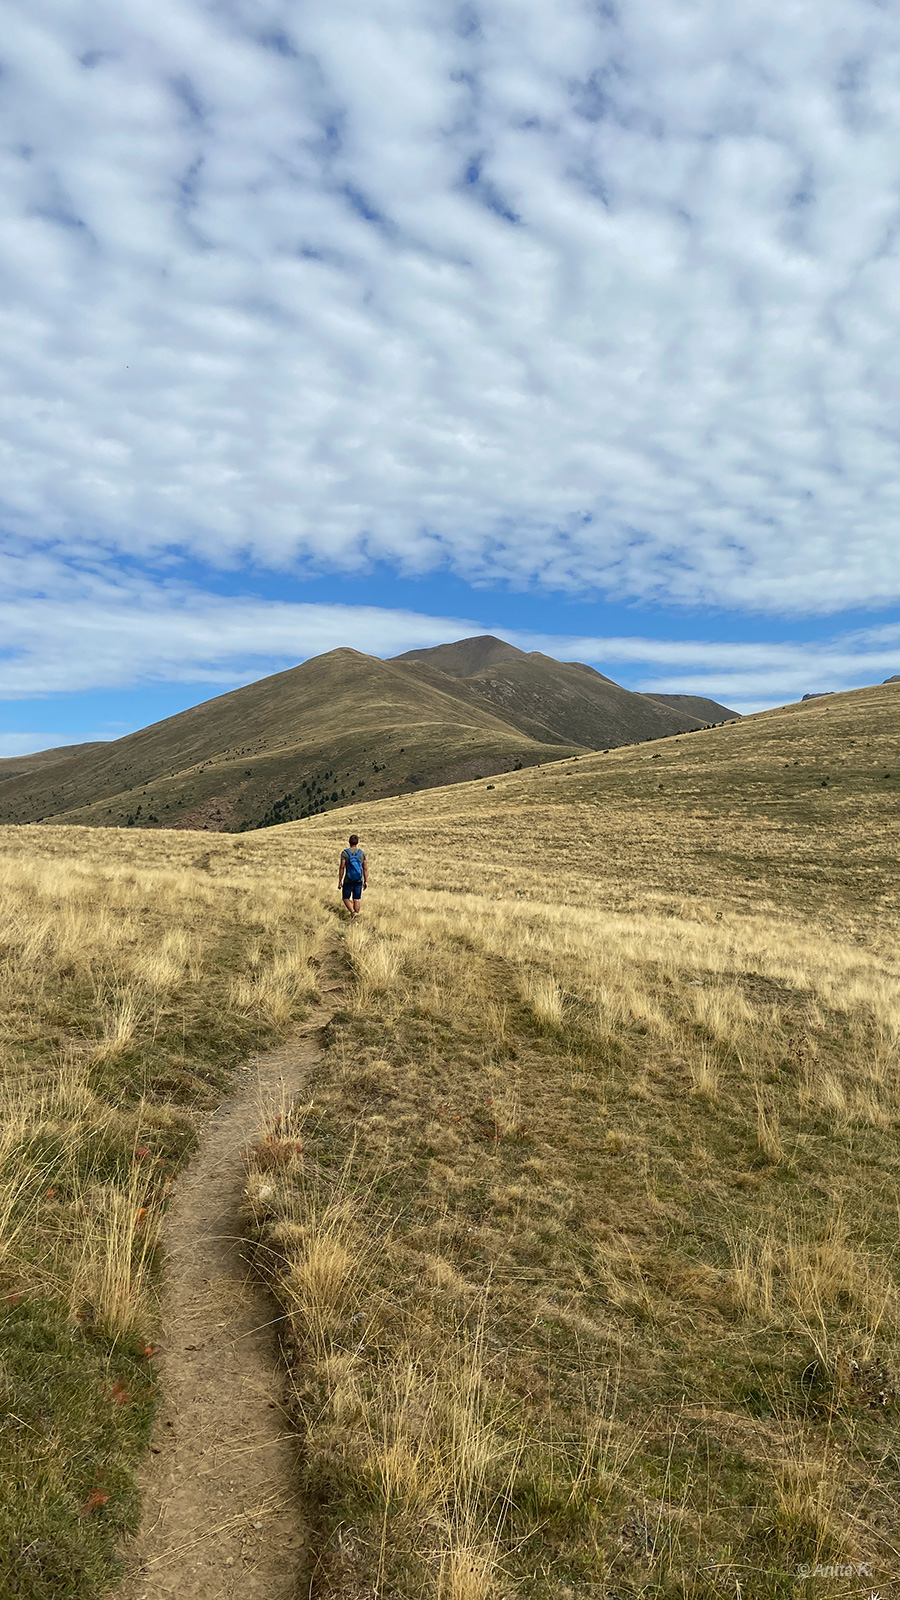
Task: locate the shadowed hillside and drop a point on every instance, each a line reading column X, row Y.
column 18, row 766
column 341, row 725
column 696, row 705
column 465, row 657
column 553, row 700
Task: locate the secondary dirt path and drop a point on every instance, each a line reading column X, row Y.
column 221, row 1518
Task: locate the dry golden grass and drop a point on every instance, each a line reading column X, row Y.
column 587, row 1236
column 118, row 1020
column 530, row 1164
column 649, row 1136
column 406, row 1410
column 109, row 1271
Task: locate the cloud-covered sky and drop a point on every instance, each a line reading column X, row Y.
column 584, row 298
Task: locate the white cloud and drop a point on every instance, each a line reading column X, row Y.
column 97, row 633
column 106, row 637
column 556, row 293
column 746, row 677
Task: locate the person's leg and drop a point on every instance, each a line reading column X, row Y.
column 357, row 905
column 348, row 905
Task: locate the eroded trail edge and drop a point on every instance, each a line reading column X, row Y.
column 221, row 1514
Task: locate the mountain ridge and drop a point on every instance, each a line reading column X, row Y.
column 570, row 700
column 316, row 736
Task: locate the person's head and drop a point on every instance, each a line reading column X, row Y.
column 354, row 840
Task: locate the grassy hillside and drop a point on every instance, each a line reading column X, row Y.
column 554, row 700
column 18, row 766
column 311, row 739
column 591, row 1263
column 696, row 705
column 797, row 808
column 589, row 1266
column 303, row 741
column 463, row 658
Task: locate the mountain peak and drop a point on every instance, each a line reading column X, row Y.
column 465, row 657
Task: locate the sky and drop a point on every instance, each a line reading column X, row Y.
column 570, row 320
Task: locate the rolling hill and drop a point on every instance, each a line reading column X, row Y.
column 338, row 727
column 18, row 766
column 696, row 705
column 796, row 805
column 640, row 1100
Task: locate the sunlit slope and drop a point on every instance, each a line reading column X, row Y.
column 340, row 725
column 620, row 1084
column 299, row 741
column 800, row 805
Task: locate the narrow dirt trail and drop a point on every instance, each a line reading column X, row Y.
column 221, row 1518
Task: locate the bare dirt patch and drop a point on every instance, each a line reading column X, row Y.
column 217, row 814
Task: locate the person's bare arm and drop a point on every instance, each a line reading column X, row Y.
column 365, row 867
column 341, row 870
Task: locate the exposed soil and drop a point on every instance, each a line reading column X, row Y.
column 222, row 1518
column 214, row 814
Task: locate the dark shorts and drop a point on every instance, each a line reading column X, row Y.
column 352, row 891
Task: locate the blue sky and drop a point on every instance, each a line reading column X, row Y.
column 334, row 325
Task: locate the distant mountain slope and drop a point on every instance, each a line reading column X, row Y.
column 295, row 744
column 465, row 656
column 341, row 727
column 556, row 700
column 795, row 807
column 17, row 766
column 696, row 705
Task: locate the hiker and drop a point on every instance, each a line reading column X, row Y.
column 353, row 875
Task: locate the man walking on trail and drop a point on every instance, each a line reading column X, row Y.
column 353, row 876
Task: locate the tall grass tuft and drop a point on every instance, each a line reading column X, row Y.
column 117, row 1025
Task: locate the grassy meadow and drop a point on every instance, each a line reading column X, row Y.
column 590, row 1258
column 586, row 1232
column 132, row 981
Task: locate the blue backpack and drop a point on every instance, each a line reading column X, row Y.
column 353, row 872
